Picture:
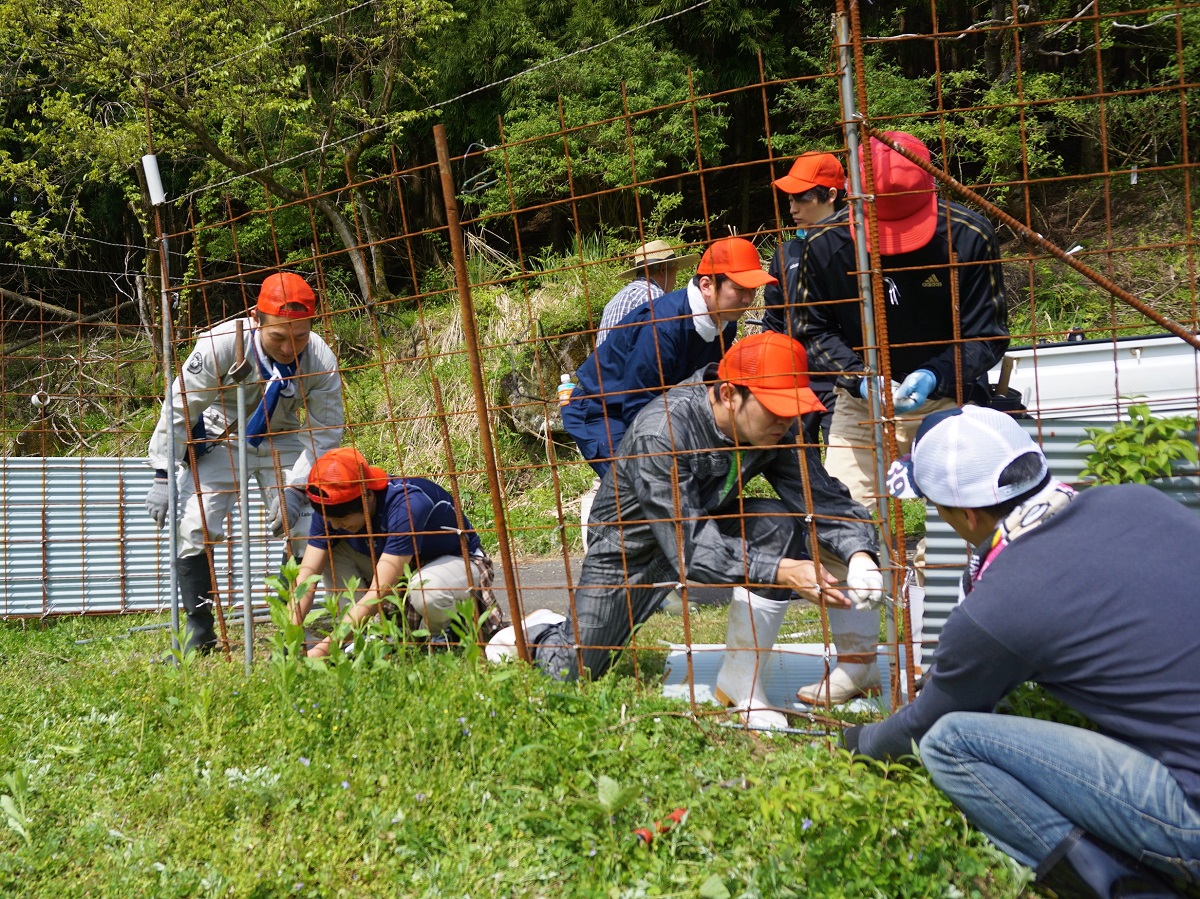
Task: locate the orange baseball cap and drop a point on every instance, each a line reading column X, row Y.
column 283, row 288
column 905, row 202
column 737, row 259
column 775, row 368
column 342, row 475
column 812, row 170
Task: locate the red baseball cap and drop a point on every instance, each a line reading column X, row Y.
column 812, row 170
column 342, row 475
column 737, row 259
column 775, row 368
column 283, row 288
column 905, row 202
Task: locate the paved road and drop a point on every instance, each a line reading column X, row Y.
column 542, row 584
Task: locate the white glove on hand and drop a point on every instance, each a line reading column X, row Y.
column 864, row 582
column 294, row 500
column 158, row 500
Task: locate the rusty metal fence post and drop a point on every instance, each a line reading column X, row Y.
column 471, row 338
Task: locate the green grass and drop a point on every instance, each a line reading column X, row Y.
column 430, row 776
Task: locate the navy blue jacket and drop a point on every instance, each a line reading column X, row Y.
column 651, row 350
column 413, row 517
column 1099, row 606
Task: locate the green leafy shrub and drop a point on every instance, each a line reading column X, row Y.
column 1141, row 449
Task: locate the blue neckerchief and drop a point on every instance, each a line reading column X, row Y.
column 278, row 378
column 199, row 437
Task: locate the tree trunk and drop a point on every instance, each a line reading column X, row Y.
column 353, row 252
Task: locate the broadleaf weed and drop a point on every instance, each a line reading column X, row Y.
column 15, row 804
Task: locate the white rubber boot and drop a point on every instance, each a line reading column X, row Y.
column 754, row 623
column 916, row 616
column 855, row 633
column 585, row 508
column 503, row 646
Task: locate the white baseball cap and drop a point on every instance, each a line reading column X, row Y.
column 958, row 456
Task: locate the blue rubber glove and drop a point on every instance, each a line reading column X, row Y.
column 863, row 386
column 915, row 390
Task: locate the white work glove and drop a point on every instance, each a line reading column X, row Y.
column 158, row 499
column 864, row 582
column 915, row 390
column 295, row 501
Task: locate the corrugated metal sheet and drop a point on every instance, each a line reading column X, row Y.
column 75, row 539
column 946, row 553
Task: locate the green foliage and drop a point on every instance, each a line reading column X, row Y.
column 914, row 513
column 1141, row 449
column 15, row 803
column 1138, row 130
column 287, row 639
column 811, row 110
column 428, row 775
column 104, row 398
column 996, row 139
column 1062, row 300
column 225, row 91
column 1032, row 701
column 600, row 153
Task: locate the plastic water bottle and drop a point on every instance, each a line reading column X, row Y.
column 565, row 388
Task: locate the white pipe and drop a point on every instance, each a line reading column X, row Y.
column 153, row 181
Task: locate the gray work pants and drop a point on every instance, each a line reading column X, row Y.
column 619, row 590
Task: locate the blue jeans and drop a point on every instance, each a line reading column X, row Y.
column 1026, row 783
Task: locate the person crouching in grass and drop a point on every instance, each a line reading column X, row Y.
column 400, row 536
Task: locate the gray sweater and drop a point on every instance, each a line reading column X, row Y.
column 1099, row 606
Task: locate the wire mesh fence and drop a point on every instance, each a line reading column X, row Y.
column 457, row 291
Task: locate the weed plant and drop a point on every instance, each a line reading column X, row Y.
column 1141, row 450
column 429, row 775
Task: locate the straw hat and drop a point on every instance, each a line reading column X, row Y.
column 656, row 252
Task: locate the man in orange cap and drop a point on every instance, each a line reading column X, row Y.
column 288, row 370
column 816, row 189
column 658, row 345
column 672, row 509
column 947, row 325
column 380, row 529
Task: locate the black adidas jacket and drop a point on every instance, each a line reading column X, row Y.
column 921, row 327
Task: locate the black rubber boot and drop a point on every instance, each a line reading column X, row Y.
column 1083, row 867
column 195, row 593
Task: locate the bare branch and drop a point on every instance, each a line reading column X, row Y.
column 9, row 350
column 1157, row 21
column 1072, row 21
column 38, row 304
